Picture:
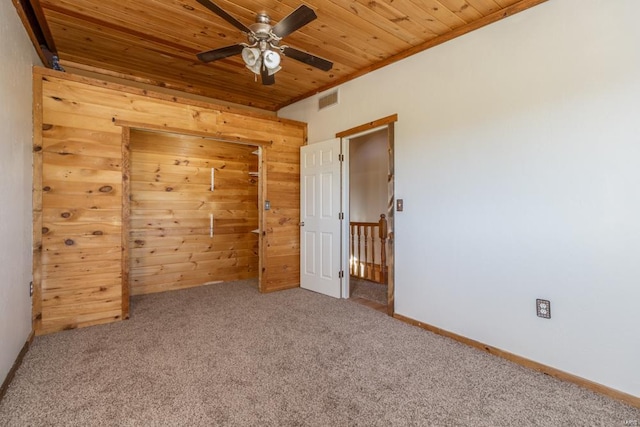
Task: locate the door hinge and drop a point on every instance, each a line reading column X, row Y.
column 341, row 215
column 341, row 274
column 341, row 157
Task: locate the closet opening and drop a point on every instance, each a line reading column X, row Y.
column 192, row 211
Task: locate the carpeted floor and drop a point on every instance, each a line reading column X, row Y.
column 226, row 355
column 372, row 291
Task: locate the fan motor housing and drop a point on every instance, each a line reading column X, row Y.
column 261, row 30
column 263, row 18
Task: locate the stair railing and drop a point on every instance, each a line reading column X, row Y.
column 368, row 239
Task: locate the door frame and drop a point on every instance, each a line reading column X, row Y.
column 345, row 136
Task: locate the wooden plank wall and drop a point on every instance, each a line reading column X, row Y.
column 171, row 203
column 77, row 258
column 282, row 222
column 81, row 223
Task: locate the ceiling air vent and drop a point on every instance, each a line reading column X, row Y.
column 328, row 100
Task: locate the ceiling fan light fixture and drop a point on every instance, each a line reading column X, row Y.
column 251, row 57
column 272, row 61
column 272, row 71
column 262, row 52
column 255, row 68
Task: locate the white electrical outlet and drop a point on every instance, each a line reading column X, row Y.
column 543, row 308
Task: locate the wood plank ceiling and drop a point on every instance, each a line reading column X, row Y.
column 156, row 41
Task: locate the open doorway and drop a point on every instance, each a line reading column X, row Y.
column 326, row 256
column 368, row 198
column 368, row 183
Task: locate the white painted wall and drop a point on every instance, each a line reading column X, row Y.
column 16, row 59
column 368, row 168
column 518, row 157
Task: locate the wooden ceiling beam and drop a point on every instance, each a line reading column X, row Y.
column 42, row 22
column 32, row 18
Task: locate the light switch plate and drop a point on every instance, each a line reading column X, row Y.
column 399, row 205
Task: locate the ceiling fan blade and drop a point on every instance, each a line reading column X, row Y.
column 307, row 58
column 223, row 52
column 224, row 15
column 295, row 20
column 266, row 78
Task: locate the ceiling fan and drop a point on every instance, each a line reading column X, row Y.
column 261, row 53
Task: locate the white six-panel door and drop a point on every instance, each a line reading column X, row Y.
column 319, row 216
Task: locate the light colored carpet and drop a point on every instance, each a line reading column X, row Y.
column 372, row 291
column 226, row 355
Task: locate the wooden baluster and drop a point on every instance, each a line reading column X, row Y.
column 373, row 252
column 382, row 229
column 359, row 258
column 352, row 255
column 366, row 257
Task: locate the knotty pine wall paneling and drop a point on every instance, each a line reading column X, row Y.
column 80, row 181
column 173, row 205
